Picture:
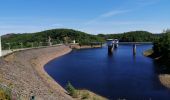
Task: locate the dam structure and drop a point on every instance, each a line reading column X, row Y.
column 114, row 43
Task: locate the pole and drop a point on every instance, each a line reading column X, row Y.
column 21, row 45
column 49, row 41
column 40, row 44
column 134, row 49
column 32, row 44
column 9, row 46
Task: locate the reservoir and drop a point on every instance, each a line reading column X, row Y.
column 118, row 76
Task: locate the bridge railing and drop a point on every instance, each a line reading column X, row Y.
column 6, row 52
column 134, row 43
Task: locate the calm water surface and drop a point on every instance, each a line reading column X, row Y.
column 116, row 76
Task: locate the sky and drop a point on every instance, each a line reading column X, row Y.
column 92, row 16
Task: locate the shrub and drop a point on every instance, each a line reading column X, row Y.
column 85, row 96
column 71, row 90
column 3, row 95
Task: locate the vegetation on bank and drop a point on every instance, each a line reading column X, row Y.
column 82, row 94
column 41, row 38
column 26, row 40
column 3, row 95
column 162, row 46
column 161, row 51
column 133, row 36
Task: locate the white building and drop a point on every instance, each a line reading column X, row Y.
column 74, row 41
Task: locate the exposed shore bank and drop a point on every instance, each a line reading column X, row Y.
column 77, row 46
column 163, row 77
column 23, row 71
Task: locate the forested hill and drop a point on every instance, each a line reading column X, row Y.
column 68, row 35
column 133, row 36
column 56, row 35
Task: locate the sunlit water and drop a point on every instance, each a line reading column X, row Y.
column 116, row 76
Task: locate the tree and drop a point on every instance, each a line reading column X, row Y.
column 162, row 46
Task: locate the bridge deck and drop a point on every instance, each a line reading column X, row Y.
column 134, row 43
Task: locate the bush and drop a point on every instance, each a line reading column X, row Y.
column 162, row 46
column 3, row 95
column 71, row 90
column 85, row 96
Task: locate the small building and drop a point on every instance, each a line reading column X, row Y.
column 116, row 41
column 74, row 41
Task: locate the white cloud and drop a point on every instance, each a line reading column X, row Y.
column 113, row 13
column 107, row 15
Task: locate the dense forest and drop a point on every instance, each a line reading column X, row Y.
column 161, row 48
column 41, row 38
column 68, row 35
column 133, row 36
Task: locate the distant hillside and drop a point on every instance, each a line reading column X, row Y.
column 68, row 35
column 57, row 36
column 136, row 36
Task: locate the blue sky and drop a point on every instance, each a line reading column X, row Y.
column 92, row 16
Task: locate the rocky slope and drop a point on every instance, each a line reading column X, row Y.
column 23, row 71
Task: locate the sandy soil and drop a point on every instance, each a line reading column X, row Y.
column 165, row 80
column 24, row 72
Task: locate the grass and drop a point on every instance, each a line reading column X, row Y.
column 85, row 95
column 82, row 94
column 71, row 90
column 88, row 95
column 3, row 95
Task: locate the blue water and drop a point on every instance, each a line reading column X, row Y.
column 118, row 76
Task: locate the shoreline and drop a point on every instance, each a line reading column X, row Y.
column 75, row 46
column 164, row 78
column 24, row 72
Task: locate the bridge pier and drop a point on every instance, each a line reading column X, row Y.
column 114, row 43
column 116, row 46
column 110, row 49
column 110, row 44
column 134, row 49
column 101, row 44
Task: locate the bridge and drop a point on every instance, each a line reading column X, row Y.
column 114, row 43
column 134, row 43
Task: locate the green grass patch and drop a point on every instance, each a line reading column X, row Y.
column 3, row 95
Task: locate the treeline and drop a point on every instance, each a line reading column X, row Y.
column 162, row 46
column 68, row 35
column 133, row 36
column 41, row 38
column 161, row 51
